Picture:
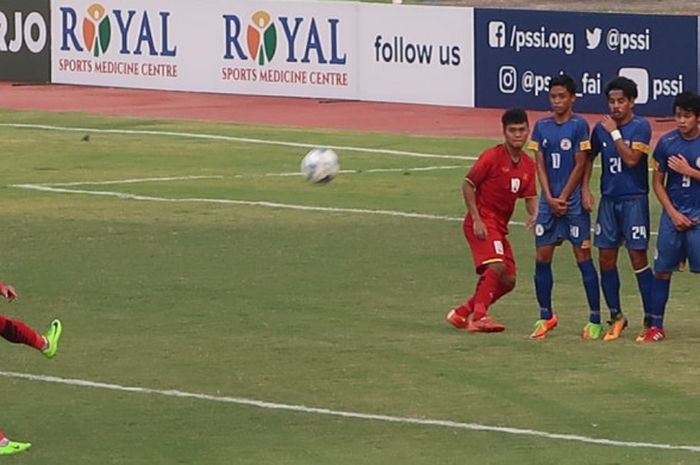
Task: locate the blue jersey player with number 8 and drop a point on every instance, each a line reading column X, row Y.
column 676, row 183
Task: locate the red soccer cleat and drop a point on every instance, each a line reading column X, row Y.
column 457, row 320
column 653, row 334
column 485, row 325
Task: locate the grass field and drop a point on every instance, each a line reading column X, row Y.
column 339, row 310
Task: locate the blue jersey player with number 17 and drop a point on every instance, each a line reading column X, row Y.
column 561, row 144
column 676, row 183
column 622, row 140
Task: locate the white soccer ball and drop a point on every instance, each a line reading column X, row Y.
column 320, row 166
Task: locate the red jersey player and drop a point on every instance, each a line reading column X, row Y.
column 501, row 175
column 18, row 332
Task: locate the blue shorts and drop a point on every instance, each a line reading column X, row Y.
column 625, row 220
column 673, row 247
column 552, row 230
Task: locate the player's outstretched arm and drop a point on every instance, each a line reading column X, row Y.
column 8, row 292
column 531, row 207
column 469, row 193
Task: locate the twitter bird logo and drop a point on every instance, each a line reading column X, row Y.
column 593, row 38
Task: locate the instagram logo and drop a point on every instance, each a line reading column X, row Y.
column 507, row 79
column 641, row 77
column 497, row 34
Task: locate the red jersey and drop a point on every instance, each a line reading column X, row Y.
column 499, row 182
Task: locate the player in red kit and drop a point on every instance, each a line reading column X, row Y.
column 19, row 333
column 501, row 175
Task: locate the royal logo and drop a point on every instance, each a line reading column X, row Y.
column 262, row 38
column 97, row 30
column 307, row 40
column 137, row 32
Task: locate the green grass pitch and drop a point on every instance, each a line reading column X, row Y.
column 336, row 310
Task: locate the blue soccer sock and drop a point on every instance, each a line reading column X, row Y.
column 659, row 296
column 591, row 285
column 645, row 278
column 610, row 283
column 543, row 288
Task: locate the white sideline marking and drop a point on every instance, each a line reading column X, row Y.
column 131, row 181
column 346, row 414
column 260, row 203
column 373, row 170
column 191, row 135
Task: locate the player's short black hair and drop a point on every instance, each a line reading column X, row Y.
column 563, row 80
column 688, row 101
column 626, row 85
column 514, row 116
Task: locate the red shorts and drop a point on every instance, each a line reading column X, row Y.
column 494, row 249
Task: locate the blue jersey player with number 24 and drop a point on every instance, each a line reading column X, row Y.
column 622, row 140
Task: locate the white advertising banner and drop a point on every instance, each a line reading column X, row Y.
column 344, row 50
column 417, row 54
column 300, row 49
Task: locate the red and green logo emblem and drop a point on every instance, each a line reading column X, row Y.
column 262, row 38
column 97, row 30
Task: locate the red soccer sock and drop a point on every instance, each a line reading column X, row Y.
column 503, row 289
column 19, row 333
column 485, row 293
column 467, row 307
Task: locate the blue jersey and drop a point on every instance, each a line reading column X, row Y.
column 683, row 191
column 559, row 144
column 617, row 179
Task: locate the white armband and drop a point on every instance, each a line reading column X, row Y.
column 616, row 135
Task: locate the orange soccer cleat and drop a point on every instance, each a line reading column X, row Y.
column 542, row 327
column 485, row 325
column 457, row 320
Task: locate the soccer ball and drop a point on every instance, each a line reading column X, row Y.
column 320, row 166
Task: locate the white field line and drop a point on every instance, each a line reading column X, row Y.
column 347, row 414
column 131, row 181
column 248, row 140
column 258, row 203
column 373, row 170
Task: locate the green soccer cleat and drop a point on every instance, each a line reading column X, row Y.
column 542, row 327
column 13, row 447
column 53, row 335
column 592, row 331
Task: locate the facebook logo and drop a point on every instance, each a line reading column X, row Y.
column 497, row 34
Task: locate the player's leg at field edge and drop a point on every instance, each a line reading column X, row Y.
column 660, row 290
column 544, row 281
column 591, row 285
column 645, row 278
column 610, row 280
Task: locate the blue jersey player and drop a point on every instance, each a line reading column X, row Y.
column 676, row 183
column 622, row 140
column 561, row 143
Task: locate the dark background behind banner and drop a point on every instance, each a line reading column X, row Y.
column 516, row 51
column 24, row 64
